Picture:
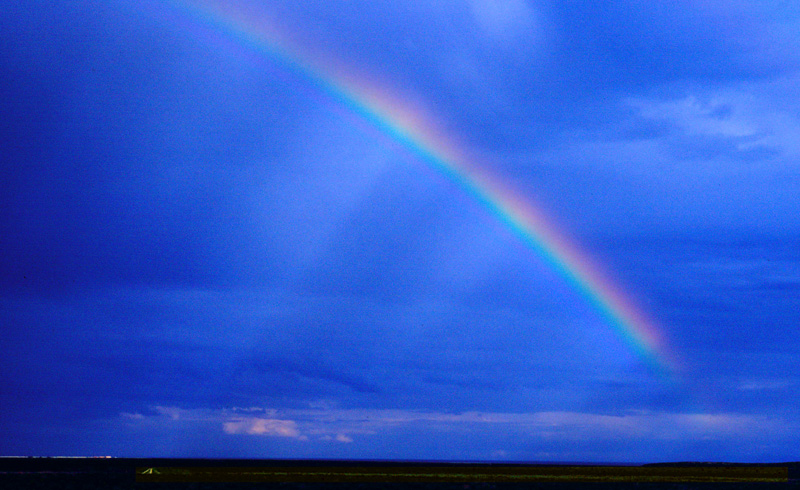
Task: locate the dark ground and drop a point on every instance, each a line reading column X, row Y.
column 120, row 473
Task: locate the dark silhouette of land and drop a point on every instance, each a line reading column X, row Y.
column 31, row 473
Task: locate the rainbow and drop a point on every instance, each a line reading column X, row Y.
column 417, row 136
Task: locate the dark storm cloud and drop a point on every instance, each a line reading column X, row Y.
column 188, row 228
column 130, row 159
column 101, row 354
column 94, row 355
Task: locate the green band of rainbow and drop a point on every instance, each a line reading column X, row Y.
column 409, row 130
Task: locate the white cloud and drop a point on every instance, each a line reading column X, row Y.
column 262, row 427
column 343, row 438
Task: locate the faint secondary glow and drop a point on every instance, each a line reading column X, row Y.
column 505, row 19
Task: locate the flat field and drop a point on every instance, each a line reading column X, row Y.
column 465, row 473
column 198, row 474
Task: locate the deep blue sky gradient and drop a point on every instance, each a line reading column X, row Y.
column 203, row 255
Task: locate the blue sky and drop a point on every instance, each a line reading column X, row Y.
column 205, row 255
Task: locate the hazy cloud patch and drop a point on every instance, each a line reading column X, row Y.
column 765, row 384
column 352, row 425
column 756, row 118
column 262, row 427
